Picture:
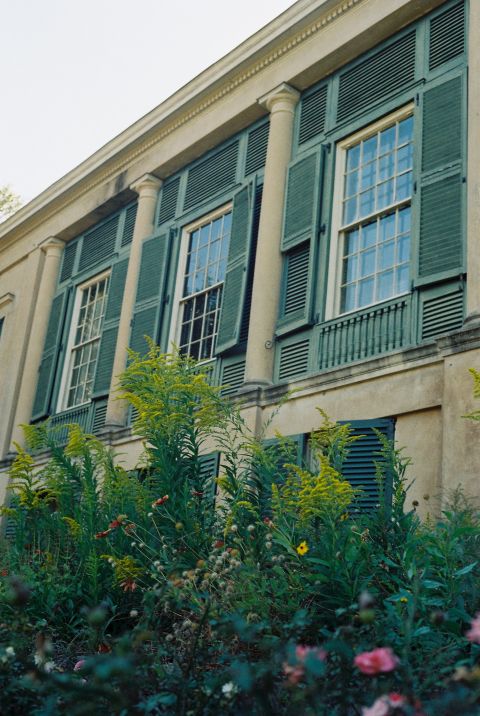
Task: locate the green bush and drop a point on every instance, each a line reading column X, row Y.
column 127, row 592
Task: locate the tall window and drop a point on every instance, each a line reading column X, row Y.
column 201, row 295
column 375, row 217
column 84, row 341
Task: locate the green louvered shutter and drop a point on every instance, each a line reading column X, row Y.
column 51, row 352
column 442, row 207
column 300, row 228
column 209, row 465
column 234, row 289
column 441, row 190
column 270, row 469
column 359, row 466
column 149, row 304
column 108, row 341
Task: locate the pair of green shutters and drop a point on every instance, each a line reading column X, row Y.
column 150, row 304
column 439, row 118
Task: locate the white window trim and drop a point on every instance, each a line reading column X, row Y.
column 332, row 308
column 68, row 364
column 175, row 326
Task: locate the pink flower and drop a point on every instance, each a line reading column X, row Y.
column 296, row 672
column 301, row 653
column 383, row 705
column 79, row 665
column 474, row 633
column 378, row 661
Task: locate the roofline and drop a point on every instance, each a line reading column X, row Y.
column 213, row 77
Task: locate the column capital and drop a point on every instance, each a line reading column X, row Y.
column 281, row 98
column 52, row 245
column 146, row 185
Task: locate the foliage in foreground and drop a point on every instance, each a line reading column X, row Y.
column 126, row 592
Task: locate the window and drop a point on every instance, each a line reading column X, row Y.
column 84, row 341
column 373, row 200
column 200, row 295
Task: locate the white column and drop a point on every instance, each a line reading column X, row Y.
column 268, row 262
column 147, row 188
column 473, row 173
column 53, row 250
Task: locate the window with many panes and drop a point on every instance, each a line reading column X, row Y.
column 84, row 342
column 374, row 193
column 205, row 262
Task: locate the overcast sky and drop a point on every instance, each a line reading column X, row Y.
column 75, row 73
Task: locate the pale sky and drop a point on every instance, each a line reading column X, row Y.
column 75, row 73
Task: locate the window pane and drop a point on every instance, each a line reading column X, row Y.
column 367, row 202
column 365, row 289
column 387, row 255
column 387, row 140
column 386, row 167
column 351, row 184
column 385, row 285
column 403, row 249
column 351, row 242
column 404, row 186
column 403, row 279
column 348, row 298
column 404, row 220
column 353, row 157
column 367, row 262
column 387, row 227
column 404, row 158
column 369, row 149
column 405, row 130
column 350, row 269
column 369, row 172
column 350, row 211
column 369, row 235
column 385, row 194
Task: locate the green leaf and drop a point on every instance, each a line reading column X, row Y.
column 465, row 570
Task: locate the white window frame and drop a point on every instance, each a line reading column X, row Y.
column 176, row 324
column 335, row 265
column 68, row 362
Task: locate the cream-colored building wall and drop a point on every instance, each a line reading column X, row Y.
column 18, row 296
column 426, row 395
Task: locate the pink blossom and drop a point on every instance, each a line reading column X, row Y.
column 378, row 661
column 296, row 672
column 474, row 632
column 79, row 665
column 382, row 706
column 301, row 653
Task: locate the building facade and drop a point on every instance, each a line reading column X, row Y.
column 304, row 215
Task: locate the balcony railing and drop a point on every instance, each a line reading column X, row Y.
column 374, row 331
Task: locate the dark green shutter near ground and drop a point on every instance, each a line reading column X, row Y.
column 108, row 341
column 51, row 351
column 150, row 291
column 300, row 230
column 236, row 277
column 277, row 452
column 209, row 465
column 359, row 467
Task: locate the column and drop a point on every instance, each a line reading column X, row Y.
column 473, row 173
column 268, row 263
column 52, row 249
column 147, row 188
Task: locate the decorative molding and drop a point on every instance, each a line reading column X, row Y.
column 6, row 299
column 147, row 181
column 166, row 128
column 284, row 93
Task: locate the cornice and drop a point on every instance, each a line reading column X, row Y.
column 165, row 126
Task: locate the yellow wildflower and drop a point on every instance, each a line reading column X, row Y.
column 302, row 548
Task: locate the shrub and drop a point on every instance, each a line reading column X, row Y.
column 127, row 592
